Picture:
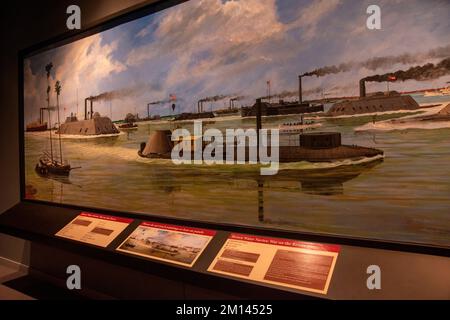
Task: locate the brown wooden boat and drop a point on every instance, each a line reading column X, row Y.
column 47, row 167
column 36, row 126
column 128, row 126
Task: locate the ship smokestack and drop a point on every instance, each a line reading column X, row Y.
column 362, row 88
column 258, row 124
column 300, row 97
column 232, row 100
column 92, row 109
column 41, row 115
column 85, row 108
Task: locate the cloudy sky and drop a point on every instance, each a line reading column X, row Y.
column 171, row 238
column 204, row 48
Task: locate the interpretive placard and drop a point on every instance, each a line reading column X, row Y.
column 96, row 229
column 290, row 263
column 175, row 244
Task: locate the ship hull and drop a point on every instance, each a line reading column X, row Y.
column 293, row 154
column 374, row 104
column 128, row 127
column 45, row 170
column 37, row 128
column 95, row 126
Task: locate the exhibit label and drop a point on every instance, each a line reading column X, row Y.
column 294, row 264
column 170, row 243
column 96, row 229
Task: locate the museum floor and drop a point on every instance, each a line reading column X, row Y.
column 10, row 271
column 17, row 284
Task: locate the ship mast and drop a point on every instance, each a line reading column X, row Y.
column 77, row 104
column 58, row 92
column 48, row 68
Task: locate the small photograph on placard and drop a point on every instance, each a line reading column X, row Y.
column 174, row 244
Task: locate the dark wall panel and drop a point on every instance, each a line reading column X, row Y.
column 23, row 24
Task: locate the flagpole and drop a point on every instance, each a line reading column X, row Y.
column 268, row 89
column 77, row 104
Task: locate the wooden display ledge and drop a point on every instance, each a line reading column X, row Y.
column 407, row 271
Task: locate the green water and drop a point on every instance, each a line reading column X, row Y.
column 403, row 198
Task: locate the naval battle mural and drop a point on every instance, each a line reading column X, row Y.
column 358, row 117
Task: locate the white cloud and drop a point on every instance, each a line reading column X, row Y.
column 208, row 47
column 309, row 17
column 87, row 62
column 219, row 40
column 207, row 40
column 222, row 27
column 80, row 66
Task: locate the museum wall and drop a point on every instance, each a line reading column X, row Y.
column 23, row 24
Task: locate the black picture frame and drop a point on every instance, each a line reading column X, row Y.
column 134, row 13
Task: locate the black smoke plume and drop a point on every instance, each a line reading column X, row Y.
column 238, row 98
column 428, row 71
column 169, row 100
column 216, row 98
column 124, row 92
column 381, row 62
column 293, row 93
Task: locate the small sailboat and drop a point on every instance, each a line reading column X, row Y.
column 48, row 164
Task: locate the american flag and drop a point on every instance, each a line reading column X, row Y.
column 172, row 97
column 392, row 78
